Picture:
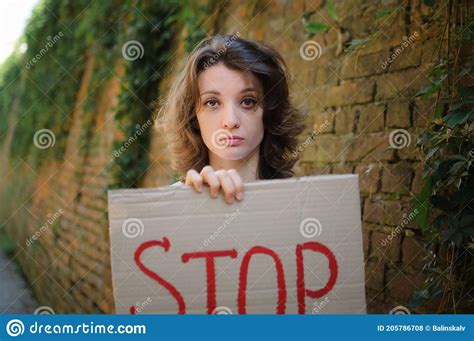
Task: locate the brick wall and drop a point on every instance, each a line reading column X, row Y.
column 353, row 105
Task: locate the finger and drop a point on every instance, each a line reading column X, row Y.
column 194, row 179
column 210, row 177
column 238, row 183
column 227, row 185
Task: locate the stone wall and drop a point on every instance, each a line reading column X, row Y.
column 354, row 101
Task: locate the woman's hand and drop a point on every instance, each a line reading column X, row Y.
column 229, row 180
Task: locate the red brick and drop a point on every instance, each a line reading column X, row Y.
column 322, row 119
column 327, row 75
column 403, row 285
column 329, row 148
column 396, row 179
column 398, row 115
column 371, row 118
column 342, row 169
column 354, row 92
column 370, row 148
column 369, row 178
column 366, row 242
column 358, row 65
column 402, row 83
column 409, row 56
column 385, row 212
column 417, row 183
column 345, row 121
column 423, row 113
column 374, row 274
column 386, row 246
column 413, row 252
column 411, row 152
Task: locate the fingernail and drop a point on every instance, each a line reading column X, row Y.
column 240, row 196
column 199, row 188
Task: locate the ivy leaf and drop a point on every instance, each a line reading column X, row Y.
column 442, row 171
column 422, row 204
column 424, row 137
column 383, row 13
column 432, row 152
column 316, row 27
column 429, row 89
column 331, row 9
column 458, row 118
column 441, row 203
column 429, row 2
column 447, row 236
column 358, row 42
column 439, row 220
column 457, row 166
column 457, row 238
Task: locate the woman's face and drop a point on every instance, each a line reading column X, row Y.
column 230, row 119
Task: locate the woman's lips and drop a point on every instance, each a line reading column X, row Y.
column 233, row 141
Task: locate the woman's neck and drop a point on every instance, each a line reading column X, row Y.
column 247, row 167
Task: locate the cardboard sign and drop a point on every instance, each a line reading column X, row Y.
column 292, row 246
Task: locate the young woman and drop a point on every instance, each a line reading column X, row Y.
column 230, row 117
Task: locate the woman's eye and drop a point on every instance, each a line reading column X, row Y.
column 211, row 103
column 249, row 102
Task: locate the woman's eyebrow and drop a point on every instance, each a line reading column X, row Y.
column 214, row 92
column 248, row 90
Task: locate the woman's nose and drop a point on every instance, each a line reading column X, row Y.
column 231, row 119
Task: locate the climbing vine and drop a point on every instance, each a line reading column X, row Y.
column 44, row 61
column 445, row 202
column 39, row 83
column 149, row 37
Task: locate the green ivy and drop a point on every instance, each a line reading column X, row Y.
column 153, row 27
column 42, row 94
column 446, row 197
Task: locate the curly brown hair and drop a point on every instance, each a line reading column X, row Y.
column 282, row 121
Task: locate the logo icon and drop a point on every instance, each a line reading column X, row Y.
column 15, row 327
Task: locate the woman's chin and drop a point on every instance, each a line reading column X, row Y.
column 231, row 154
